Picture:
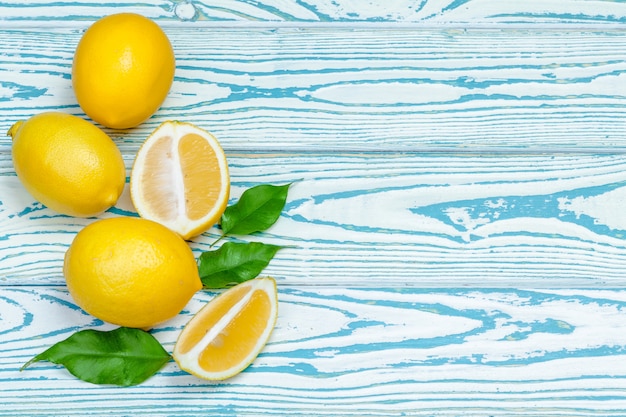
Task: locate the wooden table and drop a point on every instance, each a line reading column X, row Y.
column 457, row 226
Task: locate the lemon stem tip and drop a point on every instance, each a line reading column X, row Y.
column 13, row 129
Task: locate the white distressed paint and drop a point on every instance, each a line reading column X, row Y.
column 446, row 159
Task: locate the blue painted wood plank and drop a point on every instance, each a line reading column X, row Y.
column 354, row 351
column 402, row 219
column 360, row 90
column 461, row 12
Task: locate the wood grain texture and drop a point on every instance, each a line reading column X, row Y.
column 476, row 12
column 397, row 219
column 360, row 90
column 455, row 227
column 345, row 351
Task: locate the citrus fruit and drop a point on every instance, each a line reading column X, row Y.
column 180, row 178
column 228, row 333
column 123, row 69
column 130, row 271
column 67, row 163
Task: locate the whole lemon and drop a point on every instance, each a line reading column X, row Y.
column 130, row 271
column 123, row 69
column 67, row 163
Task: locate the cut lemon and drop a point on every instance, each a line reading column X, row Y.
column 228, row 333
column 180, row 178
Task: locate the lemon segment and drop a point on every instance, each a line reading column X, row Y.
column 180, row 178
column 229, row 332
column 67, row 163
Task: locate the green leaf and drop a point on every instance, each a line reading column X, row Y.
column 123, row 356
column 258, row 208
column 233, row 263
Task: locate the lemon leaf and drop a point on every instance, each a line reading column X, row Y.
column 234, row 263
column 257, row 209
column 124, row 356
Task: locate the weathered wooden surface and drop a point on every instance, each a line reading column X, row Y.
column 396, row 219
column 456, row 225
column 346, row 351
column 361, row 89
column 396, row 12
